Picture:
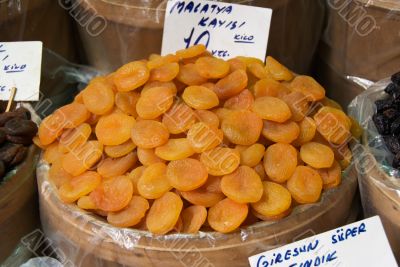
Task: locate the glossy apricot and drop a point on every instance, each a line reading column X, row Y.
column 131, row 76
column 331, row 177
column 226, row 216
column 252, row 155
column 175, row 149
column 149, row 134
column 186, row 174
column 73, row 138
column 317, row 155
column 189, row 75
column 79, row 186
column 98, row 96
column 285, row 132
column 242, row 127
column 272, row 109
column 126, row 101
column 220, row 160
column 231, row 85
column 207, row 195
column 212, row 68
column 148, row 156
column 114, row 129
column 244, row 100
column 154, row 102
column 277, row 70
column 82, row 158
column 119, row 150
column 165, row 73
column 280, row 161
column 309, row 87
column 305, row 185
column 153, row 182
column 308, row 129
column 207, row 117
column 200, row 97
column 203, row 137
column 131, row 215
column 193, row 218
column 179, row 118
column 111, row 167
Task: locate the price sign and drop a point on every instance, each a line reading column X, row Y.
column 362, row 243
column 20, row 67
column 227, row 30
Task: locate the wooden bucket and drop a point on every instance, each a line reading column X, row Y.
column 87, row 240
column 134, row 30
column 19, row 214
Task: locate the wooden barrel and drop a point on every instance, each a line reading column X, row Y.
column 361, row 39
column 134, row 30
column 85, row 239
column 19, row 214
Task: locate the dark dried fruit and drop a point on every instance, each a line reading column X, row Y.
column 2, row 136
column 23, row 112
column 396, row 78
column 395, row 127
column 19, row 126
column 392, row 143
column 23, row 140
column 391, row 114
column 2, row 169
column 393, row 90
column 8, row 152
column 381, row 123
column 19, row 156
column 383, row 104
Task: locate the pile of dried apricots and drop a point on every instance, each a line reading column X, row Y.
column 188, row 141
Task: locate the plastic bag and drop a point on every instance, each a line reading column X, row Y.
column 361, row 39
column 85, row 239
column 379, row 183
column 132, row 29
column 39, row 20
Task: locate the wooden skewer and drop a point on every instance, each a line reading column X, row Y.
column 10, row 101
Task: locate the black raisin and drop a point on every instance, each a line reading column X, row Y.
column 381, row 123
column 391, row 114
column 393, row 90
column 2, row 169
column 396, row 161
column 396, row 78
column 383, row 104
column 392, row 143
column 19, row 126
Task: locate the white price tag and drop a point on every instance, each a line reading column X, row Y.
column 228, row 30
column 20, row 67
column 363, row 243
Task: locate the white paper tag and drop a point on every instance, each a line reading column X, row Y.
column 363, row 243
column 228, row 30
column 20, row 67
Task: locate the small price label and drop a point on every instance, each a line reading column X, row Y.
column 227, row 30
column 363, row 243
column 20, row 67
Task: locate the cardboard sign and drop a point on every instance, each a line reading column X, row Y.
column 363, row 243
column 227, row 30
column 20, row 67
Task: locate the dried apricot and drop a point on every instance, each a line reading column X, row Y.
column 53, row 153
column 259, row 169
column 148, row 156
column 153, row 182
column 179, row 118
column 307, row 131
column 258, row 70
column 79, row 186
column 211, row 67
column 269, row 87
column 193, row 218
column 164, row 213
column 111, row 167
column 236, row 64
column 242, row 127
column 309, row 87
column 203, row 137
column 285, row 132
column 120, row 150
column 165, row 73
column 189, row 75
column 243, row 185
column 175, row 149
column 186, row 174
column 72, row 115
column 207, row 117
column 58, row 175
column 157, row 61
column 86, row 203
column 200, row 97
column 82, row 158
column 98, row 96
column 149, row 134
column 277, row 70
column 126, row 101
column 227, row 215
column 317, row 155
column 207, row 195
column 305, row 185
column 113, row 194
column 252, row 155
column 276, row 200
column 333, row 125
column 134, row 176
column 73, row 138
column 192, row 51
column 131, row 76
column 220, row 160
column 280, row 161
column 298, row 104
column 154, row 102
column 170, row 85
column 131, row 215
column 114, row 129
column 243, row 100
column 332, row 176
column 272, row 109
column 231, row 85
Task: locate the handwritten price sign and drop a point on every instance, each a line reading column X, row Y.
column 227, row 30
column 20, row 67
column 362, row 243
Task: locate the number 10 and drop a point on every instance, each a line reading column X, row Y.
column 203, row 38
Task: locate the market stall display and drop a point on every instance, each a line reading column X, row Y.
column 359, row 41
column 134, row 30
column 175, row 145
column 18, row 193
column 377, row 160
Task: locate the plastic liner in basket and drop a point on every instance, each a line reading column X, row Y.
column 84, row 239
column 379, row 183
